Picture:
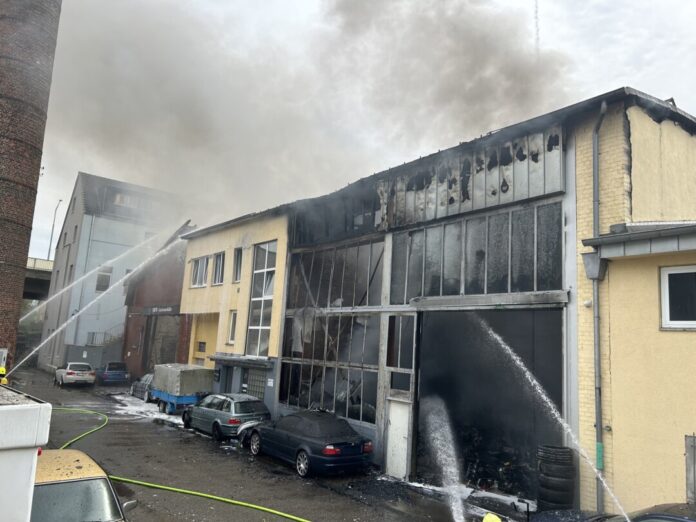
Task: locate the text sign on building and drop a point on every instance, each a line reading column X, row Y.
column 161, row 310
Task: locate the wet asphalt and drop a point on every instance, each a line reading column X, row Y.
column 161, row 451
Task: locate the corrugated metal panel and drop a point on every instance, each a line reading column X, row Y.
column 553, row 174
column 492, row 178
column 507, row 193
column 479, row 192
column 535, row 159
column 520, row 169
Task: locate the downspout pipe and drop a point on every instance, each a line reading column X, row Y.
column 599, row 428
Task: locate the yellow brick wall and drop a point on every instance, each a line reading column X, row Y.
column 664, row 169
column 614, row 208
column 653, row 385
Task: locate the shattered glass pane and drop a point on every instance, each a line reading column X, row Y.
column 294, row 284
column 371, row 353
column 305, row 383
column 451, row 284
column 475, row 255
column 357, row 339
column 433, row 259
column 337, row 278
column 393, row 341
column 319, row 337
column 284, row 383
column 263, row 342
column 341, row 392
column 349, row 273
column 398, row 275
column 322, row 300
column 354, row 393
column 332, row 339
column 315, row 390
column 362, row 275
column 369, row 397
column 315, row 278
column 329, row 384
column 294, row 390
column 415, row 266
column 406, row 356
column 287, row 338
column 522, row 255
column 305, row 273
column 550, row 247
column 375, row 290
column 344, row 337
column 498, row 240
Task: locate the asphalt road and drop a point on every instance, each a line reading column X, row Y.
column 143, row 445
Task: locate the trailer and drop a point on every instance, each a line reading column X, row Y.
column 176, row 386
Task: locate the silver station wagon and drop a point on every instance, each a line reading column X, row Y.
column 221, row 414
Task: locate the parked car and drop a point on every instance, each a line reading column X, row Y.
column 659, row 513
column 75, row 373
column 314, row 441
column 141, row 387
column 221, row 414
column 113, row 373
column 71, row 487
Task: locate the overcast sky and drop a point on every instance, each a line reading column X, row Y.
column 240, row 106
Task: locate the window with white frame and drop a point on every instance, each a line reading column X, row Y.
column 199, row 271
column 261, row 305
column 103, row 278
column 237, row 265
column 678, row 287
column 233, row 326
column 219, row 268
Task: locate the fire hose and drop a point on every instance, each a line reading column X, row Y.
column 225, row 500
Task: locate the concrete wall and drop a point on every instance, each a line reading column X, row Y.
column 663, row 172
column 614, row 168
column 235, row 295
column 652, row 385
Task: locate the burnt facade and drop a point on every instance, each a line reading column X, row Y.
column 382, row 270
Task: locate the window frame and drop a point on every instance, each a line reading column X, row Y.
column 194, row 271
column 264, row 299
column 232, row 327
column 104, row 271
column 237, row 264
column 665, row 322
column 218, row 267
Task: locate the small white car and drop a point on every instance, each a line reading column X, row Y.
column 75, row 373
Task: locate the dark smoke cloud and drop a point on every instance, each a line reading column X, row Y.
column 194, row 99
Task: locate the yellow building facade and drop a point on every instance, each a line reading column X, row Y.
column 233, row 287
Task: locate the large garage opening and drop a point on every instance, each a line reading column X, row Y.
column 497, row 421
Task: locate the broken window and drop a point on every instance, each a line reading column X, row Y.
column 433, row 260
column 497, row 254
column 104, row 278
column 398, row 276
column 549, row 247
column 475, row 256
column 452, row 258
column 374, row 297
column 414, row 285
column 522, row 254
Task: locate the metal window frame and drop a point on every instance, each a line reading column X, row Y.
column 264, row 299
column 218, row 268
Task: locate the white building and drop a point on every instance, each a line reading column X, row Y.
column 105, row 219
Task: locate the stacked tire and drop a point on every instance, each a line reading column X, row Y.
column 556, row 478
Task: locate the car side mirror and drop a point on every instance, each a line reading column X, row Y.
column 129, row 506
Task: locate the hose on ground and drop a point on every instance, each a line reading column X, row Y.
column 163, row 487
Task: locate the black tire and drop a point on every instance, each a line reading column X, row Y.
column 255, row 444
column 187, row 420
column 217, row 433
column 555, row 455
column 302, row 464
column 556, row 483
column 556, row 497
column 146, row 397
column 557, row 470
column 162, row 407
column 542, row 505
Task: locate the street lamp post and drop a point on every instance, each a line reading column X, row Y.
column 53, row 226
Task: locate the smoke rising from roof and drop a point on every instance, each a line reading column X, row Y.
column 239, row 110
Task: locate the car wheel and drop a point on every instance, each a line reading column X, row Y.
column 217, row 433
column 255, row 443
column 187, row 420
column 302, row 464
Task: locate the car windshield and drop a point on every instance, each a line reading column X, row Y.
column 80, row 367
column 75, row 501
column 116, row 367
column 250, row 407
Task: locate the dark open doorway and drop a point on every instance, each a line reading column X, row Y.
column 497, row 422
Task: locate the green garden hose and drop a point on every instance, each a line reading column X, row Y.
column 169, row 488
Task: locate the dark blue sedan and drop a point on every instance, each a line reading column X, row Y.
column 113, row 373
column 314, row 441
